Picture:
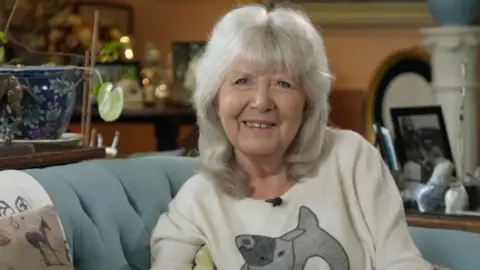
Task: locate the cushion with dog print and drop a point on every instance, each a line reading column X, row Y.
column 33, row 240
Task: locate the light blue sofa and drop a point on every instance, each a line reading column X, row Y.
column 109, row 208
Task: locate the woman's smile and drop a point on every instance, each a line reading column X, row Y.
column 259, row 125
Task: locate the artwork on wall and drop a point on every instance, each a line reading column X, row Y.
column 421, row 140
column 185, row 56
column 111, row 14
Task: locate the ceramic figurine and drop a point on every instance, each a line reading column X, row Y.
column 456, row 198
column 431, row 197
column 476, row 176
column 111, row 151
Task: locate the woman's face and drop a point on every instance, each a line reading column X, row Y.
column 261, row 112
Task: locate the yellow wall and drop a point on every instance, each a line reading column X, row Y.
column 354, row 52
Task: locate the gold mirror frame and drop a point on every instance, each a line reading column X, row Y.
column 380, row 71
column 357, row 13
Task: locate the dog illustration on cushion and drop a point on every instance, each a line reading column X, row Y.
column 292, row 250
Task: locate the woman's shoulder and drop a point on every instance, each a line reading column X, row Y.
column 197, row 184
column 196, row 188
column 347, row 141
column 346, row 148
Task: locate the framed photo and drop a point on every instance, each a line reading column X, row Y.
column 114, row 14
column 421, row 140
column 183, row 53
column 185, row 56
column 119, row 70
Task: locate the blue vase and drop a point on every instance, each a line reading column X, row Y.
column 454, row 12
column 47, row 117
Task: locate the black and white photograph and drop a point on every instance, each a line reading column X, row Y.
column 185, row 57
column 421, row 140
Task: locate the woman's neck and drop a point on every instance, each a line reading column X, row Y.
column 261, row 166
column 267, row 176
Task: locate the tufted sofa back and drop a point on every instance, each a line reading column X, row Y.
column 109, row 208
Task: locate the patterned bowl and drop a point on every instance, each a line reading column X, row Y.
column 46, row 116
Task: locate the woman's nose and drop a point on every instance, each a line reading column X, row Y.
column 262, row 99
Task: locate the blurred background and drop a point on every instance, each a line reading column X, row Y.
column 363, row 38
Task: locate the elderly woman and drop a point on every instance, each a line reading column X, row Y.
column 278, row 189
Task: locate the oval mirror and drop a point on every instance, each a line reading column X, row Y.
column 401, row 80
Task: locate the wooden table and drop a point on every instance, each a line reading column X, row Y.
column 166, row 120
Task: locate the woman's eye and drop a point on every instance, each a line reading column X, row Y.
column 241, row 81
column 284, row 84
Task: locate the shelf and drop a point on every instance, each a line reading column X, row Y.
column 468, row 223
column 46, row 159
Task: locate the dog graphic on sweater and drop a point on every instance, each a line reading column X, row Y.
column 292, row 250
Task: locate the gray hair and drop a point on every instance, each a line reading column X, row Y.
column 283, row 39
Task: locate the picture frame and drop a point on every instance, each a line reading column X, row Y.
column 121, row 14
column 421, row 140
column 127, row 74
column 183, row 54
column 116, row 70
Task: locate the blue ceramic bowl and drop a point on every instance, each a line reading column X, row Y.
column 454, row 12
column 54, row 88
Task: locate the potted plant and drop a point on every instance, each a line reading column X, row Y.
column 39, row 99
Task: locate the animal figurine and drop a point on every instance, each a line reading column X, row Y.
column 292, row 250
column 456, row 197
column 12, row 96
column 431, row 197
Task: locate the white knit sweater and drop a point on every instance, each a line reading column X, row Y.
column 348, row 217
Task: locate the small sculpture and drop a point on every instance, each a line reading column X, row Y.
column 431, row 197
column 12, row 96
column 456, row 198
column 112, row 150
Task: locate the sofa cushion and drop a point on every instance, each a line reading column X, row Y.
column 109, row 208
column 33, row 239
column 440, row 246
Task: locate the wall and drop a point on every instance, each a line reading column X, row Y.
column 354, row 52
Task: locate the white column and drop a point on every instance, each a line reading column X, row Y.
column 449, row 47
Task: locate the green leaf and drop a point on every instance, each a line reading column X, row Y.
column 110, row 101
column 111, row 50
column 3, row 38
column 2, row 55
column 96, row 90
column 14, row 61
